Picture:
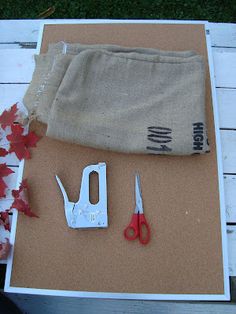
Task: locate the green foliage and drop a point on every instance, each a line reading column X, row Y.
column 215, row 11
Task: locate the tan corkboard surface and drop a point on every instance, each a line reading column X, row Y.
column 180, row 195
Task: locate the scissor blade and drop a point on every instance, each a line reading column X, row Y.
column 138, row 195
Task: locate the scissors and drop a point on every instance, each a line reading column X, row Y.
column 138, row 226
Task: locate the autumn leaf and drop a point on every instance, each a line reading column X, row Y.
column 20, row 192
column 23, row 207
column 24, row 185
column 3, row 187
column 3, row 152
column 17, row 133
column 16, row 140
column 21, row 202
column 4, row 249
column 4, row 220
column 4, row 172
column 19, row 143
column 8, row 117
column 31, row 139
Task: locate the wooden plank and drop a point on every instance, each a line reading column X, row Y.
column 10, row 94
column 228, row 142
column 60, row 305
column 230, row 197
column 19, row 30
column 231, row 233
column 227, row 107
column 19, row 45
column 16, row 65
column 11, row 184
column 223, row 34
column 5, row 203
column 225, row 67
column 28, row 45
column 10, row 46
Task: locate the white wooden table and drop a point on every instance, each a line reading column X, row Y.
column 17, row 47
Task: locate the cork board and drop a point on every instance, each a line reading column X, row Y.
column 180, row 195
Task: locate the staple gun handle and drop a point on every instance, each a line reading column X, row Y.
column 100, row 169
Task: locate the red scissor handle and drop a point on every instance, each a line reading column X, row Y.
column 138, row 227
column 132, row 231
column 144, row 230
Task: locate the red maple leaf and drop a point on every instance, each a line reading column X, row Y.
column 4, row 219
column 2, row 188
column 3, row 152
column 31, row 139
column 4, row 172
column 16, row 140
column 4, row 249
column 17, row 133
column 21, row 200
column 8, row 117
column 23, row 186
column 23, row 207
column 19, row 143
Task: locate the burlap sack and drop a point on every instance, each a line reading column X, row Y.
column 32, row 96
column 51, row 67
column 51, row 85
column 67, row 48
column 132, row 102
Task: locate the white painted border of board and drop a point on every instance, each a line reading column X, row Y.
column 180, row 297
column 219, row 163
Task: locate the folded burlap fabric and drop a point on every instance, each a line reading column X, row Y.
column 66, row 48
column 132, row 102
column 51, row 67
column 50, row 86
column 43, row 65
